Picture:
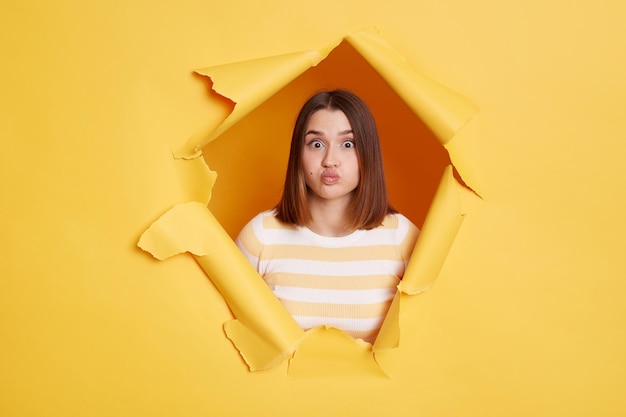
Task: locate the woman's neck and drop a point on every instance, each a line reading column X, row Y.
column 328, row 217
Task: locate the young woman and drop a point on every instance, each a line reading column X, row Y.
column 333, row 249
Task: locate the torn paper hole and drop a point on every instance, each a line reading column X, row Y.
column 263, row 331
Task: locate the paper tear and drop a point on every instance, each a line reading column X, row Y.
column 191, row 227
column 327, row 351
column 442, row 110
column 436, row 237
column 462, row 155
column 255, row 347
column 438, row 233
column 249, row 84
column 220, row 110
column 264, row 332
column 389, row 333
column 173, row 233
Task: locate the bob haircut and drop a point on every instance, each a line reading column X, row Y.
column 370, row 203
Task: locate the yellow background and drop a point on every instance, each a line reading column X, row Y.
column 527, row 315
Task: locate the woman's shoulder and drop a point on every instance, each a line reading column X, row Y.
column 400, row 226
column 396, row 220
column 265, row 229
column 266, row 220
column 262, row 215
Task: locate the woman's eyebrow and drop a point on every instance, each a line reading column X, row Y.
column 317, row 132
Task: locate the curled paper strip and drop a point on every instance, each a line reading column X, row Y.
column 248, row 84
column 263, row 331
column 436, row 238
column 441, row 109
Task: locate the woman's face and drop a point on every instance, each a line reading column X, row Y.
column 329, row 156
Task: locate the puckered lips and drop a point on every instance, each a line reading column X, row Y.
column 330, row 177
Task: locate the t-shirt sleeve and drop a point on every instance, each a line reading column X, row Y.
column 408, row 242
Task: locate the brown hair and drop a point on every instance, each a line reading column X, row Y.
column 370, row 204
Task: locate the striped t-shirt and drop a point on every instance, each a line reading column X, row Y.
column 345, row 282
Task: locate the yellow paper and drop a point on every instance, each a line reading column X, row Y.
column 329, row 352
column 443, row 110
column 527, row 312
column 265, row 338
column 248, row 84
column 265, row 333
column 436, row 237
column 435, row 240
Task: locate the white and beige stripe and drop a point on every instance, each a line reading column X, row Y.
column 345, row 282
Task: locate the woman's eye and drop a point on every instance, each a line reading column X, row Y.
column 348, row 144
column 316, row 144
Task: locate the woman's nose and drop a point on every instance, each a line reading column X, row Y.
column 330, row 159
